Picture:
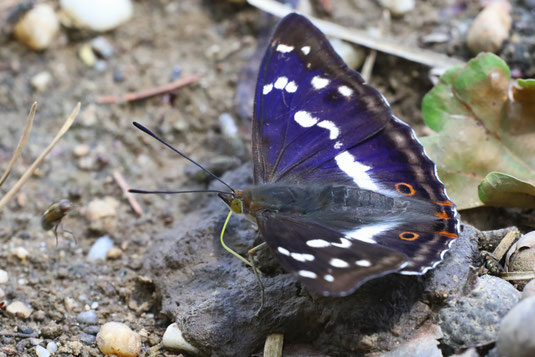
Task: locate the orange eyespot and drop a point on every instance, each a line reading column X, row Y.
column 448, row 234
column 409, row 236
column 442, row 215
column 444, row 203
column 405, row 189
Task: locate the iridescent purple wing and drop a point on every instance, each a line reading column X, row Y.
column 317, row 123
column 308, row 104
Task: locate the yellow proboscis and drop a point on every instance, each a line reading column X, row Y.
column 227, row 248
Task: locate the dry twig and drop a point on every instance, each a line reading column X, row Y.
column 41, row 157
column 147, row 93
column 124, row 186
column 362, row 38
column 22, row 142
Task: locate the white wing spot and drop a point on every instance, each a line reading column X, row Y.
column 302, row 257
column 319, row 83
column 304, row 119
column 318, row 243
column 345, row 91
column 329, row 125
column 305, row 50
column 307, row 274
column 283, row 251
column 339, row 263
column 363, row 263
column 281, row 82
column 345, row 243
column 328, row 277
column 291, row 87
column 346, row 162
column 267, row 88
column 284, row 48
column 366, row 233
column 338, row 145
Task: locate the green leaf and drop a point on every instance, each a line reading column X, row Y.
column 482, row 126
column 498, row 189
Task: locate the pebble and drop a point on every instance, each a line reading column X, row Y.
column 100, row 249
column 81, row 150
column 52, row 347
column 228, row 125
column 87, row 55
column 114, row 253
column 38, row 27
column 173, row 340
column 21, row 253
column 102, row 47
column 19, row 309
column 51, row 330
column 474, row 319
column 41, row 81
column 92, row 329
column 100, row 208
column 2, row 294
column 86, row 338
column 97, row 15
column 398, row 7
column 521, row 255
column 42, row 352
column 517, row 330
column 528, row 291
column 87, row 317
column 117, row 338
column 101, row 65
column 353, row 56
column 4, row 276
column 490, row 28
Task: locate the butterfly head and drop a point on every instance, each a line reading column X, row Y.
column 234, row 200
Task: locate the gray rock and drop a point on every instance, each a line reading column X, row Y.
column 86, row 338
column 213, row 296
column 529, row 290
column 473, row 320
column 87, row 317
column 517, row 330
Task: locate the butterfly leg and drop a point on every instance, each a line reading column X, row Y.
column 251, row 254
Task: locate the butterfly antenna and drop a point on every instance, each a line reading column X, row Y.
column 133, row 190
column 147, row 131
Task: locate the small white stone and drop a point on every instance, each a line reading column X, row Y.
column 87, row 55
column 97, row 15
column 99, row 249
column 21, row 253
column 228, row 125
column 117, row 338
column 490, row 28
column 99, row 208
column 174, row 340
column 19, row 309
column 4, row 276
column 2, row 294
column 353, row 56
column 38, row 27
column 398, row 7
column 52, row 347
column 41, row 351
column 41, row 81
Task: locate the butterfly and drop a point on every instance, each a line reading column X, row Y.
column 344, row 191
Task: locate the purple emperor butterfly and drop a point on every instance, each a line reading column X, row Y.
column 344, row 192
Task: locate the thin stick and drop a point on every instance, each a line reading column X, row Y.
column 41, row 157
column 360, row 37
column 273, row 345
column 130, row 197
column 505, row 244
column 22, row 142
column 147, row 93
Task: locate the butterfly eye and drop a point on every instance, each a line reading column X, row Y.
column 236, row 205
column 409, row 236
column 405, row 189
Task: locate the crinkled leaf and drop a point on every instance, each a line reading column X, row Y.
column 498, row 189
column 484, row 123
